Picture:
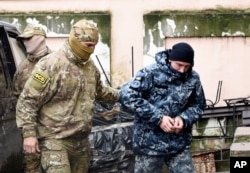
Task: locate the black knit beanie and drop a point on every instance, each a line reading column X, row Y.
column 182, row 52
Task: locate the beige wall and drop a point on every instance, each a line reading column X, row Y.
column 127, row 31
column 225, row 59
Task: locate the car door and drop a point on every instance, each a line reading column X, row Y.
column 10, row 137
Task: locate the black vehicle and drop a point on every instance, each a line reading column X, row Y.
column 110, row 141
column 11, row 54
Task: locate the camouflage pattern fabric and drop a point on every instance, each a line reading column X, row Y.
column 57, row 101
column 83, row 31
column 55, row 154
column 31, row 30
column 58, row 98
column 24, row 71
column 31, row 163
column 158, row 90
column 181, row 163
column 86, row 31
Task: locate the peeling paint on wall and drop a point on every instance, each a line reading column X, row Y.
column 199, row 24
column 59, row 25
column 160, row 25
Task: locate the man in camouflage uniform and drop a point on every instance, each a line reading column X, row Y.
column 167, row 98
column 54, row 111
column 34, row 40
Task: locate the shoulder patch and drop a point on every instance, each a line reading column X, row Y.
column 40, row 78
column 136, row 83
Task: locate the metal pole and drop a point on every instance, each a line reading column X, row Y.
column 103, row 70
column 132, row 61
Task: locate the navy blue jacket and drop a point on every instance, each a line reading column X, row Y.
column 158, row 90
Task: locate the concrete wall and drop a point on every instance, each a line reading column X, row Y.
column 127, row 31
column 223, row 59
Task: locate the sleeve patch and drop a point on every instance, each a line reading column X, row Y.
column 136, row 83
column 40, row 78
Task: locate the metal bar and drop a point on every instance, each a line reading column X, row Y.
column 132, row 61
column 103, row 70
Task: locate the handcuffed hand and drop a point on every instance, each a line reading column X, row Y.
column 178, row 124
column 167, row 124
column 171, row 125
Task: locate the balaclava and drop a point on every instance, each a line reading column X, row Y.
column 33, row 38
column 83, row 31
column 35, row 44
column 182, row 52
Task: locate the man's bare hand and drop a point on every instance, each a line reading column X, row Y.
column 170, row 125
column 167, row 124
column 178, row 125
column 109, row 115
column 31, row 145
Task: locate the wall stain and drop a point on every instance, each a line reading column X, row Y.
column 208, row 23
column 60, row 23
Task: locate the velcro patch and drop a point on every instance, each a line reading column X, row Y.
column 40, row 78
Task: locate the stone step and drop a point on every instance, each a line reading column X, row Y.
column 241, row 149
column 242, row 134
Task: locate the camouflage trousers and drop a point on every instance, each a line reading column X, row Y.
column 31, row 163
column 181, row 163
column 69, row 155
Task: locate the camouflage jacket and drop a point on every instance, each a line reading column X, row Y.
column 24, row 71
column 57, row 100
column 158, row 90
